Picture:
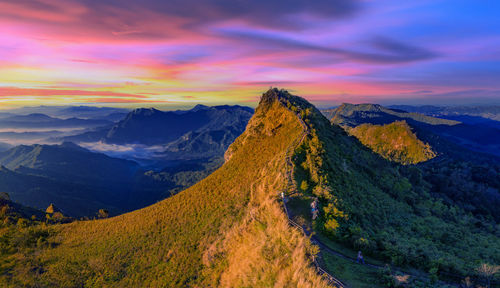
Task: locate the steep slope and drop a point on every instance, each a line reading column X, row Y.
column 226, row 231
column 386, row 210
column 395, row 142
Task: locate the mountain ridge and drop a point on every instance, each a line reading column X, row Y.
column 229, row 230
column 200, row 236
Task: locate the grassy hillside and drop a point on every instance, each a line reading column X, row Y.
column 226, row 231
column 385, row 210
column 395, row 141
column 229, row 230
column 481, row 138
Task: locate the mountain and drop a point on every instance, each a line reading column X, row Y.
column 490, row 112
column 67, row 159
column 78, row 181
column 5, row 114
column 354, row 114
column 474, row 137
column 458, row 175
column 4, row 146
column 89, row 112
column 64, row 112
column 81, row 182
column 13, row 210
column 229, row 230
column 38, row 120
column 153, row 127
column 395, row 141
column 328, row 112
column 202, row 132
column 114, row 117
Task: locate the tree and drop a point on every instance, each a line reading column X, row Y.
column 57, row 217
column 103, row 213
column 21, row 222
column 488, row 271
column 4, row 196
column 51, row 209
column 304, row 186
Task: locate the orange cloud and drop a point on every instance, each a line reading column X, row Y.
column 15, row 91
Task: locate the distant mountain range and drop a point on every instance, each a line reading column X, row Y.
column 78, row 181
column 491, row 112
column 355, row 114
column 65, row 160
column 81, row 182
column 4, row 146
column 201, row 132
column 481, row 138
column 64, row 112
column 38, row 120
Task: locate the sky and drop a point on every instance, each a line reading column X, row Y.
column 175, row 53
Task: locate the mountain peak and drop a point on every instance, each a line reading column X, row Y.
column 145, row 111
column 274, row 94
column 199, row 107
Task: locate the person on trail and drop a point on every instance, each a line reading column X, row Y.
column 360, row 258
column 314, row 209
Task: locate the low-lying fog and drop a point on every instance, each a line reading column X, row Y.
column 129, row 151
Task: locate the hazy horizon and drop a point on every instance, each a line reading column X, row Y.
column 319, row 105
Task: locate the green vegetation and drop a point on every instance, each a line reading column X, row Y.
column 228, row 230
column 382, row 209
column 352, row 274
column 394, row 141
column 22, row 232
column 471, row 183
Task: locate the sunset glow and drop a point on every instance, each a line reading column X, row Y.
column 169, row 53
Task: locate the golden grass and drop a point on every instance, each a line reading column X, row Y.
column 227, row 230
column 395, row 141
